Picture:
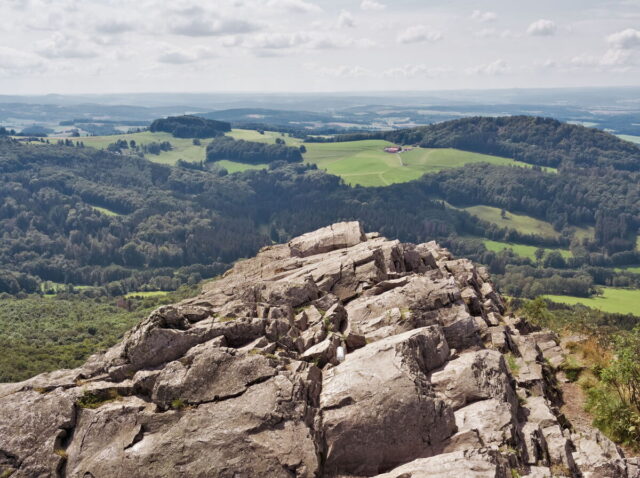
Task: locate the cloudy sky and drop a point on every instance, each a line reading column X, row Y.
column 110, row 46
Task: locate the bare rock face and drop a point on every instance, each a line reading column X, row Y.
column 246, row 380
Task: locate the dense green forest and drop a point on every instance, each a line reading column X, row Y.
column 82, row 216
column 72, row 214
column 539, row 141
column 190, row 127
column 252, row 152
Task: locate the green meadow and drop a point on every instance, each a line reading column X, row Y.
column 521, row 249
column 105, row 211
column 367, row 164
column 152, row 293
column 267, row 137
column 184, row 148
column 628, row 137
column 521, row 223
column 363, row 163
column 613, row 300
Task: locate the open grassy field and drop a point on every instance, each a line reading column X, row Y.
column 613, row 300
column 521, row 223
column 182, row 148
column 367, row 164
column 521, row 249
column 628, row 137
column 153, row 293
column 267, row 137
column 235, row 167
column 358, row 162
column 429, row 160
column 105, row 211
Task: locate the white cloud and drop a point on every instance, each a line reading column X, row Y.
column 413, row 71
column 418, row 34
column 625, row 39
column 204, row 26
column 295, row 6
column 493, row 33
column 276, row 40
column 179, row 56
column 372, row 5
column 542, row 27
column 14, row 62
column 498, row 67
column 61, row 45
column 300, row 40
column 341, row 71
column 547, row 64
column 346, row 20
column 614, row 57
column 486, row 33
column 114, row 27
column 483, row 17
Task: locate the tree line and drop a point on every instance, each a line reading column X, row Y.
column 189, row 126
column 252, row 152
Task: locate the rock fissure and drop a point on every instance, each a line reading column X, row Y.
column 424, row 390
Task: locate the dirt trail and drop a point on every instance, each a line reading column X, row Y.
column 573, row 408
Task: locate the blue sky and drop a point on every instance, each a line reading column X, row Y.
column 109, row 46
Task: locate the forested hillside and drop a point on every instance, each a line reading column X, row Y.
column 251, row 152
column 607, row 199
column 539, row 141
column 82, row 216
column 75, row 215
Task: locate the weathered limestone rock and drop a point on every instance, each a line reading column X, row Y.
column 378, row 409
column 33, row 426
column 473, row 376
column 468, row 464
column 336, row 236
column 244, row 380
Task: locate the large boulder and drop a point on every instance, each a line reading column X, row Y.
column 378, row 408
column 336, row 236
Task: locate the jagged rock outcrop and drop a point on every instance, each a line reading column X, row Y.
column 245, row 380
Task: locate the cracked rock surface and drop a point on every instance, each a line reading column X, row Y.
column 244, row 380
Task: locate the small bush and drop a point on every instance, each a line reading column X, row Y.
column 560, row 470
column 178, row 404
column 571, row 368
column 95, row 400
column 61, row 453
column 512, row 363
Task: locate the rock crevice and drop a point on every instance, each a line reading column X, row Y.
column 245, row 380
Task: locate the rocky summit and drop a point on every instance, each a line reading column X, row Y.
column 339, row 354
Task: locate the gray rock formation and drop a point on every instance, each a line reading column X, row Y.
column 244, row 380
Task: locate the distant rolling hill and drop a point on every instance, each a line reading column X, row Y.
column 534, row 140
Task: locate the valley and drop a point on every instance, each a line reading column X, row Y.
column 529, row 220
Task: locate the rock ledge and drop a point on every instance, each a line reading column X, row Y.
column 244, row 381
